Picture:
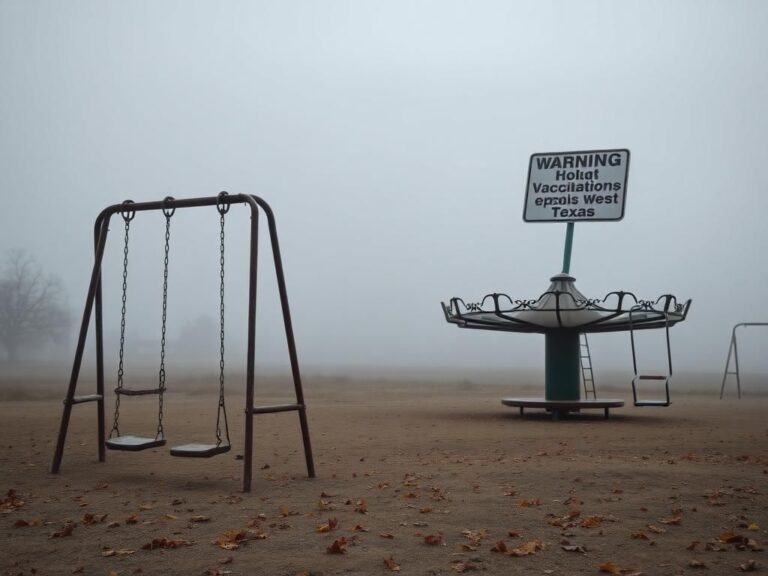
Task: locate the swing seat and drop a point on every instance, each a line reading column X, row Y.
column 661, row 403
column 199, row 450
column 133, row 443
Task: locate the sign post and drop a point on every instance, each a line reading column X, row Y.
column 573, row 187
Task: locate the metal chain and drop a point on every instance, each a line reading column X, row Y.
column 161, row 385
column 223, row 209
column 127, row 217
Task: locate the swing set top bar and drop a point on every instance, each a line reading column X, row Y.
column 172, row 203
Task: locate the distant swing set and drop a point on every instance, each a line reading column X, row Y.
column 733, row 354
column 221, row 444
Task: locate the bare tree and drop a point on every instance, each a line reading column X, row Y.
column 32, row 311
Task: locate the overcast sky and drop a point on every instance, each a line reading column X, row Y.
column 392, row 139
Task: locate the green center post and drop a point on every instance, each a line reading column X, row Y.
column 562, row 362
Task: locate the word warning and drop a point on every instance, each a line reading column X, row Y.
column 576, row 186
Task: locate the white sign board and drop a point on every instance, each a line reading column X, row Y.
column 577, row 186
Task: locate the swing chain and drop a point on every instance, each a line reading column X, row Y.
column 161, row 386
column 223, row 209
column 127, row 215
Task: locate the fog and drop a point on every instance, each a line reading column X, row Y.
column 392, row 141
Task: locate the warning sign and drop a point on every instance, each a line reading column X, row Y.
column 577, row 186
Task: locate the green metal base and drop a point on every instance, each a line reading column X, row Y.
column 562, row 366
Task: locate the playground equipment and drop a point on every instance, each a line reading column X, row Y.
column 222, row 444
column 562, row 313
column 733, row 352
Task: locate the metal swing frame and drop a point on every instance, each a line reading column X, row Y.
column 93, row 304
column 733, row 352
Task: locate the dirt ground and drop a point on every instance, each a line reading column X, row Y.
column 422, row 478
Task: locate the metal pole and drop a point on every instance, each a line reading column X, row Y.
column 248, row 456
column 95, row 277
column 98, row 320
column 289, row 336
column 568, row 247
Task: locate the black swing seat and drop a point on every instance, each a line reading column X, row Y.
column 199, row 450
column 129, row 392
column 133, row 443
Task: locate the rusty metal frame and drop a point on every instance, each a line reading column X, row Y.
column 93, row 303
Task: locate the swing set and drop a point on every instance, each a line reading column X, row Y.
column 222, row 444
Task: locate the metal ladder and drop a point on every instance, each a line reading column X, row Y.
column 587, row 376
column 658, row 377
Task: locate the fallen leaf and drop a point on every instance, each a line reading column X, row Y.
column 527, row 548
column 359, row 528
column 748, row 566
column 132, row 519
column 117, row 552
column 11, row 501
column 463, row 566
column 391, row 564
column 609, row 568
column 165, row 543
column 673, row 520
column 754, row 527
column 386, row 535
column 199, row 519
column 574, row 548
column 692, row 545
column 327, row 526
column 339, row 546
column 529, row 503
column 21, row 523
column 731, row 538
column 146, row 507
column 696, row 564
column 591, row 522
column 433, row 539
column 638, row 535
column 655, row 529
column 64, row 532
column 500, row 547
column 89, row 519
column 231, row 539
column 513, row 533
column 361, row 506
column 425, row 510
